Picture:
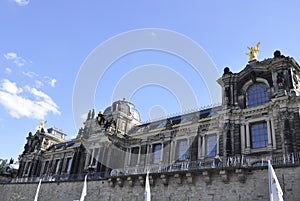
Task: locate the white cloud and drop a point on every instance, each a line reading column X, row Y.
column 41, row 79
column 8, row 70
column 10, row 87
column 53, row 82
column 22, row 2
column 30, row 74
column 10, row 55
column 38, row 83
column 18, row 104
column 50, row 81
column 19, row 61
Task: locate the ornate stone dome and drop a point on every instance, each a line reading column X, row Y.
column 125, row 107
column 107, row 111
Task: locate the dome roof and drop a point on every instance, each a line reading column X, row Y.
column 127, row 108
column 107, row 110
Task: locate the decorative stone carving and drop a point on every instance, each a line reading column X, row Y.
column 224, row 176
column 151, row 180
column 80, row 133
column 227, row 71
column 169, row 124
column 206, row 177
column 178, row 178
column 280, row 80
column 241, row 175
column 130, row 181
column 141, row 180
column 164, row 179
column 253, row 76
column 93, row 114
column 120, row 181
column 296, row 79
column 227, row 95
column 277, row 54
column 111, row 182
column 89, row 115
column 189, row 177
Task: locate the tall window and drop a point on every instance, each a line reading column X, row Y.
column 28, row 166
column 90, row 157
column 259, row 135
column 182, row 150
column 134, row 156
column 194, row 149
column 69, row 165
column 157, row 153
column 257, row 94
column 96, row 156
column 46, row 167
column 57, row 163
column 211, row 145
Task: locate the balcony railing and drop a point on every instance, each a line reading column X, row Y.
column 209, row 163
column 235, row 161
column 64, row 177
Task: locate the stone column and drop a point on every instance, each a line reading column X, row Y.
column 188, row 151
column 139, row 156
column 108, row 156
column 203, row 147
column 243, row 138
column 247, row 138
column 161, row 152
column 273, row 134
column 269, row 134
column 199, row 147
column 129, row 151
column 174, row 151
column 169, row 161
column 148, row 156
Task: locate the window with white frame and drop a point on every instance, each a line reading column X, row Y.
column 211, row 145
column 95, row 156
column 257, row 94
column 57, row 164
column 156, row 153
column 90, row 155
column 69, row 165
column 259, row 135
column 182, row 146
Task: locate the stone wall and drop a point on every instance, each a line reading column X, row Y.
column 215, row 184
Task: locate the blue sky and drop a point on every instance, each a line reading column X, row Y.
column 44, row 45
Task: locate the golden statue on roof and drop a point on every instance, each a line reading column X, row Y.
column 41, row 126
column 253, row 52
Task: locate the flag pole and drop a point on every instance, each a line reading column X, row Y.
column 84, row 189
column 147, row 188
column 275, row 190
column 37, row 191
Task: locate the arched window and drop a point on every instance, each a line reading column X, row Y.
column 257, row 94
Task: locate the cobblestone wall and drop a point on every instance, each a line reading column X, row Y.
column 215, row 184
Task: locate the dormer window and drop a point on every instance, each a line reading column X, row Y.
column 257, row 94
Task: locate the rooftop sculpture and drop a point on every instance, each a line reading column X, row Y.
column 253, row 52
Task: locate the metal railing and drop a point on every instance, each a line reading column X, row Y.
column 64, row 177
column 208, row 163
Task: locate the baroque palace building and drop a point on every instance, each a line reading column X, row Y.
column 257, row 121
